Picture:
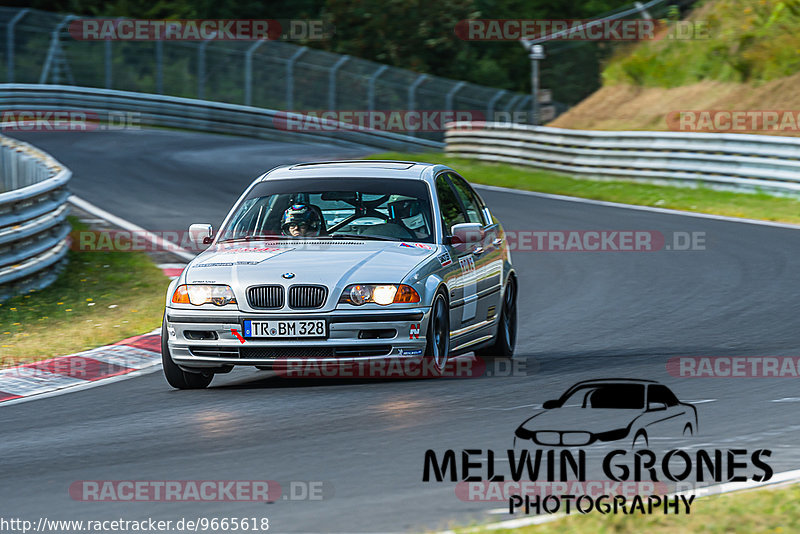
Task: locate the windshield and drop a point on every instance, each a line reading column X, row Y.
column 389, row 209
column 618, row 396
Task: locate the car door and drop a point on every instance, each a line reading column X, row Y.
column 459, row 279
column 487, row 256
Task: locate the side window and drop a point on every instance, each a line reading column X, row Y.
column 471, row 201
column 448, row 204
column 660, row 393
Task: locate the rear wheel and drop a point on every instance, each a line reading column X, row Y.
column 437, row 347
column 506, row 337
column 177, row 377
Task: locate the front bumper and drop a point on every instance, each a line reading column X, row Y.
column 202, row 340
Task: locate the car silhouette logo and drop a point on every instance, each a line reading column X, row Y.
column 288, row 276
column 611, row 409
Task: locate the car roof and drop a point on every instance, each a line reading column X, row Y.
column 410, row 170
column 614, row 381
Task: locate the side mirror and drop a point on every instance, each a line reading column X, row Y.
column 466, row 234
column 656, row 406
column 549, row 405
column 201, row 233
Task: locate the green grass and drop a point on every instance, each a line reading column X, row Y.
column 99, row 298
column 747, row 512
column 704, row 200
column 747, row 41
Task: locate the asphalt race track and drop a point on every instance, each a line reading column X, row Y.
column 582, row 315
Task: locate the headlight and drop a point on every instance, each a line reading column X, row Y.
column 199, row 294
column 383, row 294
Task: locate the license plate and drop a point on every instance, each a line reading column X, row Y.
column 276, row 329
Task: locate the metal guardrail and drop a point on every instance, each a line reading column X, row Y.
column 34, row 232
column 740, row 161
column 191, row 114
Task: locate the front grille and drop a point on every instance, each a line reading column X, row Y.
column 307, row 297
column 573, row 439
column 265, row 297
column 352, row 351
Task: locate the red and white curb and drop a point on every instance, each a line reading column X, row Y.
column 172, row 270
column 127, row 358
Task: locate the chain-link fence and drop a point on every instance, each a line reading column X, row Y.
column 37, row 47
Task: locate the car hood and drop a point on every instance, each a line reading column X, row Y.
column 581, row 419
column 334, row 264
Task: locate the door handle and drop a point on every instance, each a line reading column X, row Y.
column 497, row 242
column 478, row 251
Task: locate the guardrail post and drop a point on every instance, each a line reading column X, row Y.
column 371, row 86
column 160, row 66
column 248, row 72
column 108, row 62
column 451, row 95
column 523, row 103
column 490, row 108
column 412, row 93
column 332, row 81
column 54, row 47
column 290, row 77
column 512, row 103
column 201, row 69
column 10, row 44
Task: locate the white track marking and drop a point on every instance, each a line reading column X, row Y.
column 635, row 207
column 163, row 244
column 156, row 366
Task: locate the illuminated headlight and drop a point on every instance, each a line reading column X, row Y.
column 383, row 294
column 199, row 294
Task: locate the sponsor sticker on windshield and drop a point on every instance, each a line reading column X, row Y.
column 423, row 246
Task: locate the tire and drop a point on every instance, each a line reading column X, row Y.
column 177, row 377
column 506, row 337
column 437, row 344
column 640, row 436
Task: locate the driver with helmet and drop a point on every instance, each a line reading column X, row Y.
column 300, row 220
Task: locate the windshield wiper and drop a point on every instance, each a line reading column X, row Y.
column 254, row 237
column 359, row 236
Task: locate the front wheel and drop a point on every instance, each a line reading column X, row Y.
column 177, row 377
column 437, row 348
column 506, row 337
